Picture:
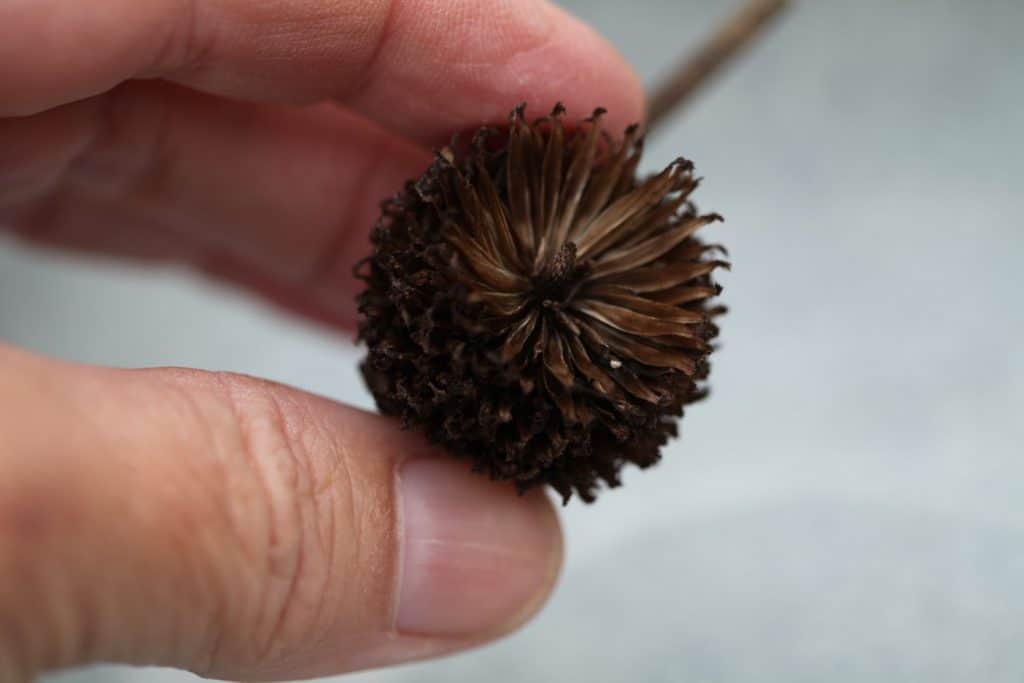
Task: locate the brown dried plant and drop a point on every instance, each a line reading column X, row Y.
column 533, row 306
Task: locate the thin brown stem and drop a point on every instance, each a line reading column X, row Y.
column 696, row 70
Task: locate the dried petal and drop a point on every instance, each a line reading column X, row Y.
column 534, row 307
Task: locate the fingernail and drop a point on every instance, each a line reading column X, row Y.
column 476, row 557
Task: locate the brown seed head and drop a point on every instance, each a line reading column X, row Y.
column 536, row 308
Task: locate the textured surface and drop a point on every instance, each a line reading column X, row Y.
column 534, row 306
column 847, row 507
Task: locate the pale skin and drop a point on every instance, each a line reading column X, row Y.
column 214, row 522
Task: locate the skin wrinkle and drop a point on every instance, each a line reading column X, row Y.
column 185, row 47
column 201, row 421
column 334, row 492
column 301, row 467
column 266, row 612
column 332, row 483
column 327, row 543
column 290, row 424
column 43, row 211
column 146, row 124
column 114, row 112
column 224, row 585
column 220, row 613
column 228, row 391
column 218, row 586
column 302, row 429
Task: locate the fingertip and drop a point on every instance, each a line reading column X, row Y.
column 477, row 560
column 583, row 70
column 251, row 530
column 453, row 67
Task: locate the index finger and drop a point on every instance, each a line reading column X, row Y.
column 424, row 68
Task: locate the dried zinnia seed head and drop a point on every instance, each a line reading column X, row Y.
column 534, row 307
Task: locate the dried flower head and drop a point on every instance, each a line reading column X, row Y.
column 534, row 307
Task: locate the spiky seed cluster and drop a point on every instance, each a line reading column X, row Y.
column 534, row 307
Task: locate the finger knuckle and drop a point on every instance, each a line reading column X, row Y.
column 188, row 41
column 287, row 507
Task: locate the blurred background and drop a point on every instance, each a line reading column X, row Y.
column 849, row 505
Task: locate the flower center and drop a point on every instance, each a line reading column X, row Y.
column 557, row 281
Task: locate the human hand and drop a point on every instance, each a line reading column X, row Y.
column 220, row 523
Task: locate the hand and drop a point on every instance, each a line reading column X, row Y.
column 221, row 523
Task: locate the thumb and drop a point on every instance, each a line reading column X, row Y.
column 241, row 529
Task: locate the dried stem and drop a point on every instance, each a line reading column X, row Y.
column 694, row 71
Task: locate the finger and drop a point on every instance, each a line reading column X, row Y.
column 423, row 67
column 287, row 195
column 241, row 529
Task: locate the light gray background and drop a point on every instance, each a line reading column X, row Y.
column 848, row 506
